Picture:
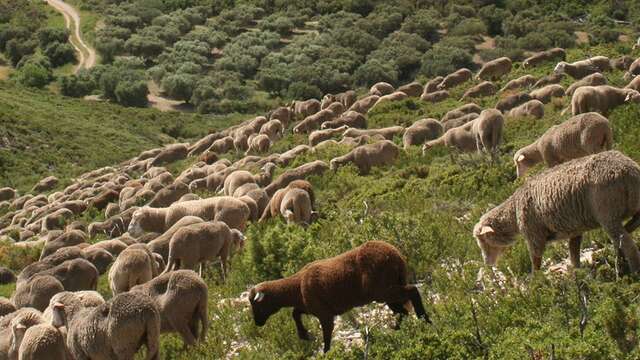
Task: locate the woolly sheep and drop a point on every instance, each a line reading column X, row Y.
column 388, row 133
column 42, row 341
column 258, row 144
column 181, row 297
column 170, row 154
column 223, row 145
column 337, row 108
column 160, row 245
column 381, row 89
column 296, row 206
column 634, row 84
column 363, row 105
column 548, row 92
column 595, row 191
column 482, row 134
column 622, row 63
column 533, row 108
column 544, row 56
column 582, row 135
column 460, row 111
column 70, row 238
column 274, row 206
column 349, row 118
column 413, row 89
column 580, row 69
column 395, row 96
column 456, row 78
column 100, row 258
column 548, row 80
column 594, row 79
column 432, row 85
column 453, row 123
column 241, row 177
column 494, row 69
column 435, row 97
column 374, row 271
column 367, row 156
column 169, row 194
column 421, row 131
column 6, row 306
column 305, row 108
column 601, row 98
column 134, row 266
column 633, row 70
column 512, row 101
column 314, row 121
column 320, row 135
column 6, row 276
column 203, row 144
column 273, row 129
column 45, row 184
column 301, row 172
column 36, row 292
column 199, row 243
column 7, row 193
column 485, row 88
column 522, row 82
column 13, row 328
column 208, row 157
column 75, row 274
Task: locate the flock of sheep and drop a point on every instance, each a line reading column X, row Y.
column 158, row 229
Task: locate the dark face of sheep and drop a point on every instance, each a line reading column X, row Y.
column 261, row 307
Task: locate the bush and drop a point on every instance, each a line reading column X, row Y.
column 442, row 60
column 423, row 23
column 374, row 71
column 17, row 49
column 47, row 36
column 300, row 90
column 469, row 27
column 132, row 93
column 60, row 54
column 179, row 86
column 34, row 75
column 77, row 85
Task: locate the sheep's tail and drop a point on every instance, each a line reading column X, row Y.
column 153, row 338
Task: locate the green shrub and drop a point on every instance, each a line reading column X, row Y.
column 300, row 90
column 442, row 60
column 60, row 54
column 132, row 93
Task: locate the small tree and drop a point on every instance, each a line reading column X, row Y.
column 60, row 54
column 132, row 93
column 48, row 36
column 34, row 75
column 179, row 86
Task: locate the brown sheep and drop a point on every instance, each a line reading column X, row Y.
column 548, row 92
column 413, row 89
column 395, row 96
column 522, row 82
column 460, row 111
column 301, row 172
column 548, row 80
column 113, row 226
column 229, row 210
column 258, row 144
column 241, row 177
column 633, row 70
column 273, row 129
column 320, row 135
column 45, row 184
column 622, row 63
column 432, row 85
column 601, row 99
column 381, row 89
column 582, row 135
column 485, row 88
column 349, row 118
column 274, row 205
column 296, row 206
column 160, row 245
column 453, row 123
column 240, row 143
column 149, row 154
column 456, row 78
column 482, row 134
column 382, row 153
column 134, row 266
column 56, row 220
column 533, row 108
column 421, row 131
column 36, row 292
column 544, row 56
column 374, row 271
column 7, row 193
column 203, row 144
column 169, row 194
column 283, row 114
column 104, row 198
column 494, row 69
column 435, row 97
column 595, row 191
column 634, row 84
column 594, row 79
column 511, row 101
column 363, row 105
column 170, row 154
column 305, row 108
column 70, row 238
column 346, row 98
column 222, row 145
column 336, row 108
column 388, row 133
column 75, row 275
column 580, row 69
column 314, row 121
column 113, row 246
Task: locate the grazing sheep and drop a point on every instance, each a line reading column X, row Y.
column 134, row 266
column 336, row 108
column 111, row 210
column 381, row 89
column 374, row 271
column 296, row 206
column 522, row 82
column 432, row 85
column 305, row 108
column 222, row 146
column 36, row 292
column 241, row 177
column 316, row 167
column 580, row 69
column 70, row 238
column 208, row 157
column 56, row 220
column 563, row 202
column 113, row 330
column 388, row 133
column 203, row 144
column 274, row 206
column 347, row 98
column 482, row 134
column 622, row 63
column 160, row 245
column 149, row 154
column 512, row 101
column 199, row 243
column 435, row 97
column 349, row 118
column 169, row 194
column 548, row 92
column 7, row 193
column 413, row 89
column 240, row 143
column 113, row 246
column 494, row 69
column 363, row 105
column 456, row 78
column 100, row 258
column 453, row 123
column 6, row 276
column 273, row 129
column 283, row 114
column 258, row 144
column 582, row 135
column 634, row 84
column 533, row 108
column 548, row 80
column 544, row 56
column 594, row 79
column 314, row 121
column 602, row 99
column 170, row 154
column 460, row 111
column 320, row 135
column 75, row 274
column 421, row 131
column 12, row 328
column 633, row 70
column 395, row 96
column 101, row 200
column 113, row 226
column 485, row 88
column 181, row 297
column 365, row 157
column 42, row 341
column 45, row 184
column 229, row 210
column 6, row 306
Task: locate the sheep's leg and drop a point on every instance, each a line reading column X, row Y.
column 297, row 318
column 622, row 241
column 200, row 269
column 633, row 223
column 403, row 293
column 536, row 249
column 398, row 308
column 574, row 250
column 183, row 329
column 327, row 329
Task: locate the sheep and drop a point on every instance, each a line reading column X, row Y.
column 381, row 89
column 6, row 306
column 435, row 97
column 42, row 341
column 111, row 210
column 149, row 154
column 349, row 118
column 227, row 209
column 7, row 193
column 388, row 133
column 203, row 144
column 223, row 145
column 260, row 197
column 241, row 177
column 6, row 276
column 494, row 69
column 305, row 108
column 113, row 226
column 456, row 78
column 70, row 238
column 314, row 121
column 548, row 80
column 284, row 114
column 395, row 96
column 301, row 172
column 533, row 108
column 512, row 101
column 347, row 98
column 296, row 206
column 320, row 135
column 76, row 274
column 337, row 108
column 170, row 154
column 55, row 220
column 258, row 144
column 413, row 89
column 583, row 194
column 36, row 292
column 100, row 258
column 208, row 157
column 432, row 85
column 113, row 330
column 453, row 123
column 363, row 105
column 45, row 184
column 485, row 88
column 181, row 297
column 634, row 84
column 633, row 70
column 580, row 69
column 601, row 98
column 548, row 92
column 460, row 111
column 524, row 81
column 582, row 135
column 544, row 56
column 274, row 206
column 273, row 129
column 134, row 266
column 160, row 245
column 101, row 200
column 199, row 243
column 482, row 134
column 169, row 194
column 57, row 258
column 12, row 329
column 421, row 131
column 594, row 79
column 365, row 157
column 622, row 63
column 374, row 271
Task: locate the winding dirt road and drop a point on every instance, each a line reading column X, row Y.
column 86, row 54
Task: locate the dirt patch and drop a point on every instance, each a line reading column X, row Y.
column 488, row 43
column 157, row 101
column 624, row 38
column 4, row 72
column 582, row 37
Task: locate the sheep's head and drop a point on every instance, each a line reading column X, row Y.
column 426, row 147
column 334, row 164
column 560, row 67
column 262, row 305
column 524, row 161
column 140, row 221
column 237, row 239
column 289, row 216
column 491, row 240
column 632, row 96
column 58, row 315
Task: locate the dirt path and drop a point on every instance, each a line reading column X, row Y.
column 86, row 54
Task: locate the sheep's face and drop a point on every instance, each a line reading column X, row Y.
column 491, row 242
column 559, row 69
column 632, row 96
column 139, row 222
column 58, row 315
column 237, row 239
column 261, row 306
column 523, row 163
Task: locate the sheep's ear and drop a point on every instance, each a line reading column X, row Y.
column 486, row 230
column 520, row 158
column 259, row 296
